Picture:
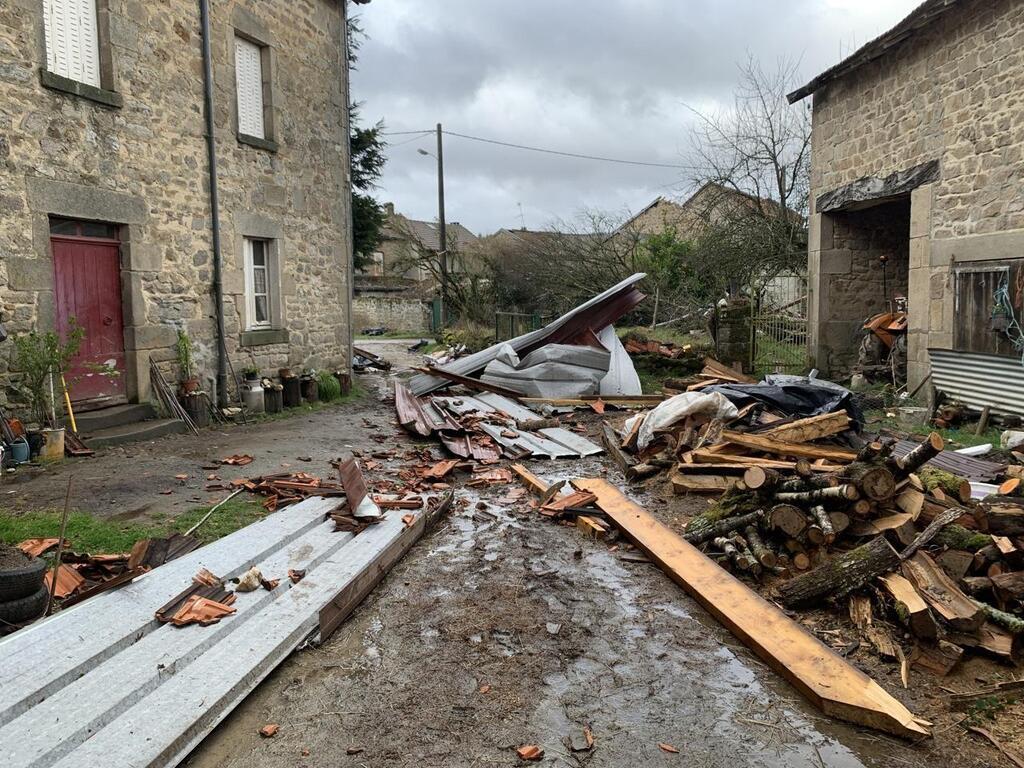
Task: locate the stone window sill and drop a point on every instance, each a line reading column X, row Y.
column 264, row 336
column 254, row 141
column 82, row 90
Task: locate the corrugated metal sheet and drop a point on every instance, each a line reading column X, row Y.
column 600, row 311
column 978, row 380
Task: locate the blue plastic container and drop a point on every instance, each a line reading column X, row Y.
column 19, row 450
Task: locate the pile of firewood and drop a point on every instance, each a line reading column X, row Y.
column 875, row 530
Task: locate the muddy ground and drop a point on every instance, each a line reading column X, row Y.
column 500, row 629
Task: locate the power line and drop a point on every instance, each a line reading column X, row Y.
column 560, row 153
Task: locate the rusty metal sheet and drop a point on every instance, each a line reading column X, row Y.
column 966, row 467
column 410, row 413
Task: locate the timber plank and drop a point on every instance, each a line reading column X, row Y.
column 811, row 667
column 811, row 428
column 784, row 448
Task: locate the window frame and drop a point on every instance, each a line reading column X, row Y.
column 266, row 63
column 272, row 289
column 105, row 92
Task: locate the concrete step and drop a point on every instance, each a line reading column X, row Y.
column 114, row 416
column 133, row 433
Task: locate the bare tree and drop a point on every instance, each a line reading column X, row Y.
column 760, row 148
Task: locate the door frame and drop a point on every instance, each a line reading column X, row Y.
column 92, row 404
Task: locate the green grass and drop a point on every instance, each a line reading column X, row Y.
column 90, row 534
column 956, row 437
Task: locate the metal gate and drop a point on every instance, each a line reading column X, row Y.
column 779, row 326
column 508, row 325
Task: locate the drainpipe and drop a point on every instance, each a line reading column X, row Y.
column 211, row 151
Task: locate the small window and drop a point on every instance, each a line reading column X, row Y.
column 249, row 86
column 72, row 40
column 258, row 283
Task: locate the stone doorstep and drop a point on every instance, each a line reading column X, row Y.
column 133, row 432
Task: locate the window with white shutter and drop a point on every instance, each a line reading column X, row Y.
column 258, row 283
column 249, row 85
column 72, row 40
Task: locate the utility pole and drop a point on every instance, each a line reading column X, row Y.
column 442, row 235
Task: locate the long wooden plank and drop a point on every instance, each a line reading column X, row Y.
column 706, row 456
column 811, row 428
column 784, row 448
column 810, row 666
column 532, row 482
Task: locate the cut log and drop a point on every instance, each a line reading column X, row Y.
column 612, row 446
column 784, row 448
column 920, row 455
column 761, row 553
column 757, row 478
column 722, row 527
column 861, row 508
column 1005, row 515
column 808, row 483
column 992, row 639
column 1007, row 621
column 880, row 524
column 976, row 585
column 860, row 611
column 874, row 481
column 840, row 521
column 1009, row 586
column 939, row 659
column 735, row 454
column 803, row 468
column 811, row 666
column 727, row 546
column 789, row 519
column 956, row 563
column 932, row 531
column 883, row 642
column 952, row 486
column 870, row 451
column 811, row 428
column 824, row 525
column 838, row 493
column 801, row 561
column 837, row 577
column 686, row 483
column 945, row 598
column 911, row 608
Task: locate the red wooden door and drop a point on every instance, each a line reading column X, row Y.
column 88, row 288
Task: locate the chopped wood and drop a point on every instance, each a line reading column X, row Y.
column 880, row 524
column 810, row 483
column 733, row 454
column 761, row 553
column 783, row 448
column 911, row 608
column 1007, row 621
column 824, row 526
column 687, row 483
column 842, row 574
column 738, row 559
column 713, row 367
column 611, row 445
column 920, row 455
column 532, row 482
column 789, row 519
column 811, row 428
column 813, row 668
column 883, row 642
column 874, row 481
column 722, row 527
column 860, row 611
column 932, row 530
column 939, row 659
column 845, row 492
column 992, row 639
column 945, row 598
column 591, row 526
column 1009, row 586
column 756, row 478
column 956, row 563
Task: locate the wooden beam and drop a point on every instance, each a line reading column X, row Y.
column 707, row 456
column 810, row 666
column 470, row 383
column 684, row 483
column 811, row 428
column 784, row 448
column 532, row 482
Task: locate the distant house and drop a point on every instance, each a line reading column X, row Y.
column 399, row 287
column 408, row 245
column 916, row 190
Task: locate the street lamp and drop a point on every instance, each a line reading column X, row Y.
column 442, row 244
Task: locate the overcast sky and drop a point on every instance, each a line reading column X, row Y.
column 613, row 78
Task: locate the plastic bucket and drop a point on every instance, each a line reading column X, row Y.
column 20, row 451
column 53, row 448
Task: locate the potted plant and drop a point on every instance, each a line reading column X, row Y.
column 251, row 373
column 42, row 359
column 188, row 381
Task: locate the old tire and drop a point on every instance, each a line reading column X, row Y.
column 16, row 583
column 26, row 609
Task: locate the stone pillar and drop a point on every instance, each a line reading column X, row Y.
column 732, row 342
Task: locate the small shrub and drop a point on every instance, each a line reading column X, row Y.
column 328, row 386
column 475, row 337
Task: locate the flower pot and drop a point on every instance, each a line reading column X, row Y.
column 292, row 392
column 53, row 444
column 188, row 386
column 310, row 389
column 273, row 398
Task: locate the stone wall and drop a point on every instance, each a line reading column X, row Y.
column 952, row 94
column 392, row 312
column 135, row 155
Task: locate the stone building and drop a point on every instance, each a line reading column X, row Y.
column 917, row 189
column 105, row 184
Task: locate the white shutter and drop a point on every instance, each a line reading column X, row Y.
column 72, row 40
column 249, row 85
